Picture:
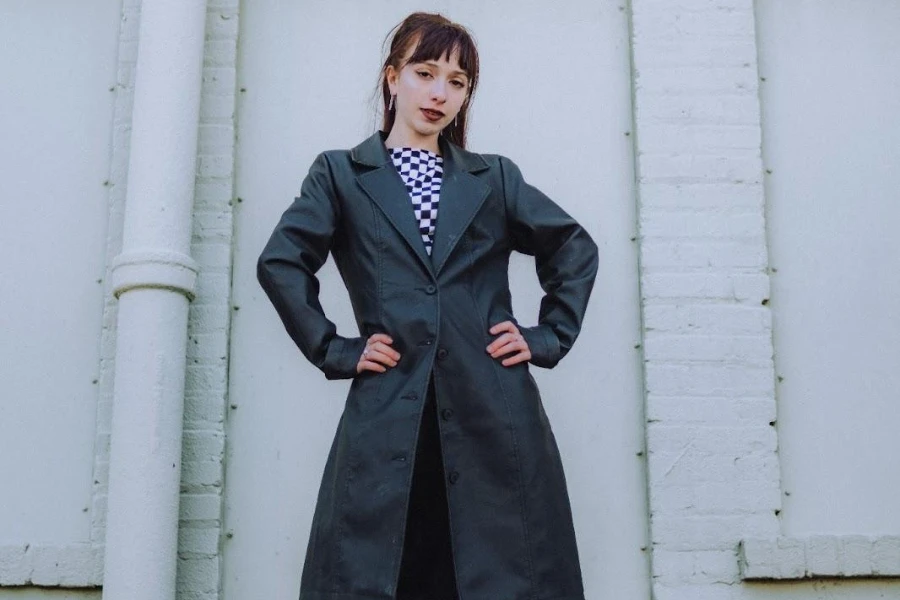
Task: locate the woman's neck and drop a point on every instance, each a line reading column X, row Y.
column 409, row 139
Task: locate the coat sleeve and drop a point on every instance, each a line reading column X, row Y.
column 566, row 261
column 286, row 270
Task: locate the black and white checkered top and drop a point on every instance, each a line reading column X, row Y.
column 421, row 171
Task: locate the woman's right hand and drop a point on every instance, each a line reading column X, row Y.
column 378, row 354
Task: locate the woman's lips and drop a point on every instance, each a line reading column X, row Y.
column 432, row 115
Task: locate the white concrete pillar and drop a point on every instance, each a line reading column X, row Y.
column 154, row 278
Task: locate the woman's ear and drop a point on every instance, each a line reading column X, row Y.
column 390, row 76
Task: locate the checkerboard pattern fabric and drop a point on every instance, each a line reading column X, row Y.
column 422, row 172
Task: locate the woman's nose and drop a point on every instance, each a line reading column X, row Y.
column 439, row 90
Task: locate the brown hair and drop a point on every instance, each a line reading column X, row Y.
column 435, row 36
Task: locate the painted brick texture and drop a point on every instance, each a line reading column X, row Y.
column 713, row 471
column 206, row 382
column 207, row 354
column 820, row 556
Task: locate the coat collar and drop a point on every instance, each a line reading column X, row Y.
column 372, row 152
column 462, row 194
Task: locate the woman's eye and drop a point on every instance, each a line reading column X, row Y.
column 459, row 84
column 424, row 73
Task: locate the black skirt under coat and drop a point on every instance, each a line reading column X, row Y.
column 427, row 571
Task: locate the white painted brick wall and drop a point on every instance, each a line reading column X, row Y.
column 81, row 564
column 820, row 556
column 710, row 384
column 207, row 357
column 206, row 383
column 712, row 449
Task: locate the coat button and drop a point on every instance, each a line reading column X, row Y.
column 411, row 396
column 430, row 289
column 447, row 413
column 453, row 477
column 442, row 354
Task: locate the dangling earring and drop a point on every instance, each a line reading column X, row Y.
column 391, row 105
column 456, row 120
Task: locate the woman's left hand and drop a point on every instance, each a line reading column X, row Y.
column 510, row 341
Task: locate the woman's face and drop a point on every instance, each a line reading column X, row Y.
column 428, row 95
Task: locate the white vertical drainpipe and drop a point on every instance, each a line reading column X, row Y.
column 154, row 279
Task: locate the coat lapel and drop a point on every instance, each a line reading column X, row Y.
column 462, row 195
column 385, row 187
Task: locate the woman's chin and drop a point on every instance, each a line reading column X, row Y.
column 428, row 129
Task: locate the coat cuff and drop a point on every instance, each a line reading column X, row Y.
column 342, row 357
column 543, row 344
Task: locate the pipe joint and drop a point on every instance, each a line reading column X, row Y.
column 155, row 269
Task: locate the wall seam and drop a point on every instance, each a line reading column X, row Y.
column 635, row 142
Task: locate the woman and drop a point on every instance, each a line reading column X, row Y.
column 444, row 480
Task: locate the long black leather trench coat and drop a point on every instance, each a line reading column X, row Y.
column 511, row 524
